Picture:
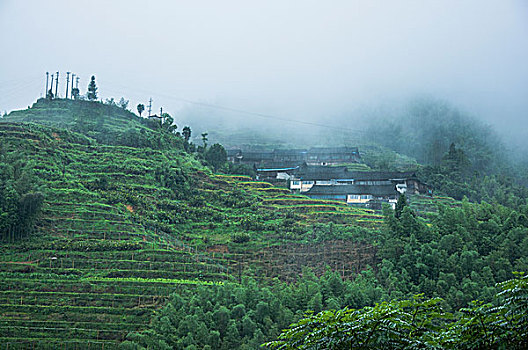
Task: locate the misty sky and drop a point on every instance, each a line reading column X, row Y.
column 295, row 59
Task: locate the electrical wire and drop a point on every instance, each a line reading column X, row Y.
column 238, row 110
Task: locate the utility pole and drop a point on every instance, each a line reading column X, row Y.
column 161, row 114
column 67, row 82
column 51, row 87
column 150, row 106
column 46, row 91
column 71, row 92
column 57, row 85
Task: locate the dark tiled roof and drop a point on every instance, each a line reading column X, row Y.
column 257, row 156
column 328, row 150
column 381, row 175
column 298, row 152
column 377, row 190
column 264, row 170
column 314, row 172
column 233, row 152
column 277, row 165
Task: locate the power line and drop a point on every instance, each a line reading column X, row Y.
column 242, row 111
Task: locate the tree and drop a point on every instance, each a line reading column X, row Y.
column 92, row 89
column 186, row 133
column 123, row 103
column 20, row 204
column 110, row 101
column 204, row 140
column 75, row 93
column 168, row 123
column 140, row 108
column 456, row 161
column 402, row 203
column 216, row 155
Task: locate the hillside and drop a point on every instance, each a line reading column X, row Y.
column 138, row 244
column 123, row 227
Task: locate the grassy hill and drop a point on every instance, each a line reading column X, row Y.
column 129, row 217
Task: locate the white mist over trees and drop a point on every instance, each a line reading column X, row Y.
column 299, row 60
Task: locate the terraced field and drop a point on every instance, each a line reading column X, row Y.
column 117, row 236
column 92, row 272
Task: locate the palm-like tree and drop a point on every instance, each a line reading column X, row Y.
column 140, row 108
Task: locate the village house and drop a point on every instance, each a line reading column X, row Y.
column 275, row 172
column 295, row 157
column 406, row 182
column 370, row 196
column 332, row 155
column 306, row 176
column 234, row 155
column 361, row 188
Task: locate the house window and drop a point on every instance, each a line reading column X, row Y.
column 296, row 183
column 366, row 196
column 324, row 182
column 307, row 182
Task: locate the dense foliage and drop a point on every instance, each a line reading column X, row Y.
column 20, row 200
column 455, row 176
column 417, row 324
column 461, row 155
column 458, row 256
column 243, row 316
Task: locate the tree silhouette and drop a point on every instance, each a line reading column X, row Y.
column 140, row 108
column 75, row 93
column 123, row 103
column 204, row 140
column 216, row 156
column 168, row 123
column 92, row 89
column 186, row 133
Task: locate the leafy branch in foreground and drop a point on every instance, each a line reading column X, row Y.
column 417, row 324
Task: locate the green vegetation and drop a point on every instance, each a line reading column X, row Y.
column 461, row 156
column 417, row 323
column 452, row 259
column 92, row 90
column 20, row 202
column 116, row 231
column 243, row 316
column 129, row 217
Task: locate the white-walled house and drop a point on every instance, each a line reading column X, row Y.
column 361, row 195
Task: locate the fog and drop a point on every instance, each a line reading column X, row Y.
column 299, row 61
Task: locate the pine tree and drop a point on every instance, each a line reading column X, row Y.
column 92, row 89
column 402, row 203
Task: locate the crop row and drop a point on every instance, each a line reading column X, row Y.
column 186, row 266
column 56, row 343
column 86, row 299
column 119, row 273
column 151, row 255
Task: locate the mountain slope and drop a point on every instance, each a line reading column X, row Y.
column 123, row 227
